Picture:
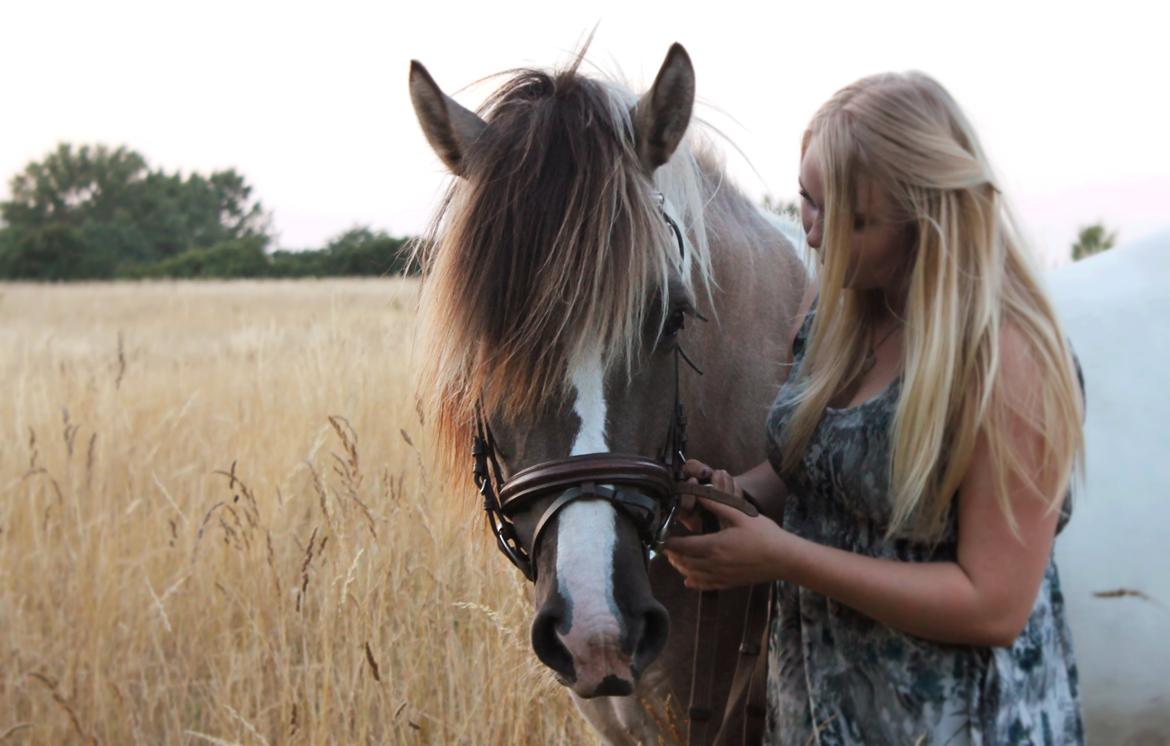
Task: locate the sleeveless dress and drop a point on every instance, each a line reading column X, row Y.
column 836, row 676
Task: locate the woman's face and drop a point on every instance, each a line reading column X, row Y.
column 880, row 245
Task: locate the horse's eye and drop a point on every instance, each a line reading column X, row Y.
column 674, row 323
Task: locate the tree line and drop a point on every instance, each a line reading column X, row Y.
column 93, row 213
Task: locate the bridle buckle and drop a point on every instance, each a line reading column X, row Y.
column 667, row 524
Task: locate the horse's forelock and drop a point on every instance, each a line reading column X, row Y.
column 552, row 245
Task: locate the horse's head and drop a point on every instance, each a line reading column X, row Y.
column 556, row 285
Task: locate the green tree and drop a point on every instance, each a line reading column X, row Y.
column 310, row 263
column 362, row 251
column 124, row 214
column 238, row 257
column 72, row 186
column 357, row 251
column 1093, row 239
column 54, row 252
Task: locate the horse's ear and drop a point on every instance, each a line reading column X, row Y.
column 449, row 127
column 663, row 113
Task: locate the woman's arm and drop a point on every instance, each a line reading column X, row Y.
column 766, row 486
column 983, row 598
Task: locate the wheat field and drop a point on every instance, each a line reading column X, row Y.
column 218, row 524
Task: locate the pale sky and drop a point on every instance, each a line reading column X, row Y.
column 309, row 100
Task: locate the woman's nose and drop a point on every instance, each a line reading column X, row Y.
column 814, row 226
column 814, row 232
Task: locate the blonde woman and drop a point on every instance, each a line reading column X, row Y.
column 920, row 451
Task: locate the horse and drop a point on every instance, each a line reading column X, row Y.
column 588, row 254
column 1114, row 566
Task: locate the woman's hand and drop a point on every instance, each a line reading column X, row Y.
column 699, row 473
column 745, row 551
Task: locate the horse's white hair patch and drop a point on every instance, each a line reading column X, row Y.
column 587, row 529
column 588, row 379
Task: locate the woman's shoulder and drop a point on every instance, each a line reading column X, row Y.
column 1023, row 371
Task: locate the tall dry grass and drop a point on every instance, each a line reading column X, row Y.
column 217, row 526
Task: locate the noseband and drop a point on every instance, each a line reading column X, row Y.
column 650, row 492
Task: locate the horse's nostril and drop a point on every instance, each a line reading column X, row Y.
column 655, row 628
column 548, row 646
column 612, row 686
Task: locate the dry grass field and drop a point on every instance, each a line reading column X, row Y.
column 218, row 525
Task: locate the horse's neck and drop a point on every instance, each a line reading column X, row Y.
column 758, row 282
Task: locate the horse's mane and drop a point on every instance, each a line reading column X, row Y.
column 551, row 246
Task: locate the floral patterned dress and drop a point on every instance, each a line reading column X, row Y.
column 836, row 676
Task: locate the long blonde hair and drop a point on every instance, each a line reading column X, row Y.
column 969, row 276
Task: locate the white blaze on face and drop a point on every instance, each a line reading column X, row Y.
column 587, row 533
column 588, row 379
